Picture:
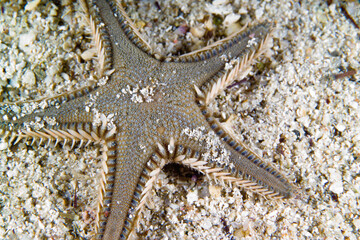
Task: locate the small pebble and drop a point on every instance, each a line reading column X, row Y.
column 29, row 78
column 215, row 191
column 192, row 196
column 340, row 127
column 32, row 5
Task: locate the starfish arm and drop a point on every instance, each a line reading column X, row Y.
column 205, row 66
column 249, row 169
column 238, row 165
column 128, row 53
column 69, row 121
column 230, row 161
column 47, row 132
column 242, row 168
column 128, row 177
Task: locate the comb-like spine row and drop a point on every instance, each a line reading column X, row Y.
column 60, row 133
column 101, row 39
column 107, row 179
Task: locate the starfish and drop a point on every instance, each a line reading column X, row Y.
column 148, row 112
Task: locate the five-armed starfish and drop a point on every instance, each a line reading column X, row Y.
column 152, row 112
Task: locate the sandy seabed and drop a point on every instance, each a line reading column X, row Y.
column 295, row 109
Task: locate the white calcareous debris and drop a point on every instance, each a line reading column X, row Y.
column 50, row 120
column 26, row 41
column 88, row 54
column 192, row 196
column 198, row 31
column 138, row 95
column 30, row 6
column 340, row 127
column 3, row 145
column 231, row 18
column 29, row 78
column 336, row 181
column 220, row 8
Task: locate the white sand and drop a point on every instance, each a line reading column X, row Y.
column 293, row 112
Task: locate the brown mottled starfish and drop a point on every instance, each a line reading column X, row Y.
column 152, row 112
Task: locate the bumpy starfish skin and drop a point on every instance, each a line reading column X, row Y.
column 143, row 115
